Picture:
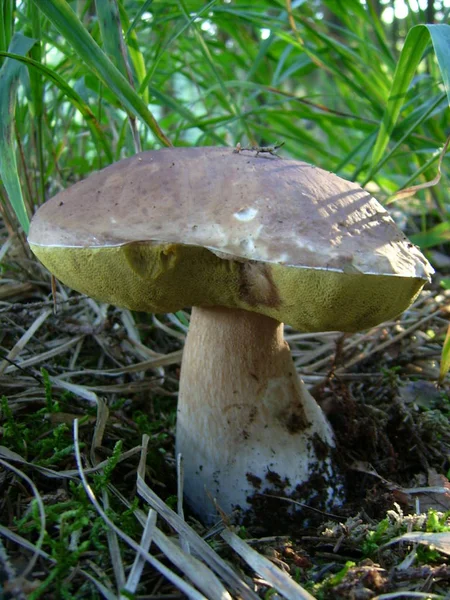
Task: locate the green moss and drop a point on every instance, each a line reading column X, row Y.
column 376, row 538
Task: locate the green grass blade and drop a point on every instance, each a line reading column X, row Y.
column 6, row 23
column 440, row 234
column 136, row 56
column 329, row 65
column 137, row 18
column 426, row 165
column 426, row 110
column 224, row 98
column 416, row 41
column 71, row 28
column 76, row 99
column 177, row 34
column 445, row 359
column 3, row 44
column 111, row 30
column 9, row 79
column 380, row 32
column 366, row 76
column 183, row 112
column 114, row 45
column 37, row 103
column 440, row 37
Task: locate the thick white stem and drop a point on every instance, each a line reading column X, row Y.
column 246, row 423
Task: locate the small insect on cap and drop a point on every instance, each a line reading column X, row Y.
column 180, row 227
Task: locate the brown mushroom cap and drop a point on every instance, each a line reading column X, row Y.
column 209, row 227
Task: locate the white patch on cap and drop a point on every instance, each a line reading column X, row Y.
column 304, row 244
column 248, row 245
column 211, row 234
column 246, row 214
column 283, row 259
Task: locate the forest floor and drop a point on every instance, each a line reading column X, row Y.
column 87, row 448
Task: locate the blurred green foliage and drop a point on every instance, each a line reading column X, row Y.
column 359, row 88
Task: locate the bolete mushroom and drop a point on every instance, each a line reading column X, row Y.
column 249, row 242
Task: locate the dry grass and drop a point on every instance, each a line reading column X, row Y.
column 89, row 481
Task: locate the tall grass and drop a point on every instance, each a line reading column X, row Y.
column 87, row 83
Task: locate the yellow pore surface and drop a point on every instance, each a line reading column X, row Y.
column 167, row 277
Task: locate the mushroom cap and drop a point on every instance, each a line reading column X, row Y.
column 180, row 227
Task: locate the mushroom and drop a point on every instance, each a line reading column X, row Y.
column 250, row 242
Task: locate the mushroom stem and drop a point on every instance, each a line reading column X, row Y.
column 246, row 423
